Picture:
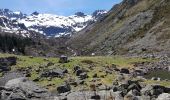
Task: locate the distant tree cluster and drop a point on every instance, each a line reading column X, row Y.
column 12, row 43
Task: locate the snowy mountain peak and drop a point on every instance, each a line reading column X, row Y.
column 48, row 24
column 99, row 13
column 80, row 14
column 10, row 14
column 54, row 25
column 35, row 13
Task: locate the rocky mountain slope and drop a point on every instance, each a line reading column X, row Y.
column 131, row 27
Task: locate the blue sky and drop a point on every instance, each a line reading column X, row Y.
column 61, row 7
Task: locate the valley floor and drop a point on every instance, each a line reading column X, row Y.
column 93, row 73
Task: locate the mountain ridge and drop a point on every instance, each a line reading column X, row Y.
column 52, row 25
column 125, row 30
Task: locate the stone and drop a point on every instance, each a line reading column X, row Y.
column 8, row 61
column 22, row 89
column 104, row 87
column 63, row 59
column 5, row 68
column 134, row 92
column 154, row 90
column 120, row 77
column 76, row 68
column 130, row 97
column 124, row 71
column 164, row 96
column 139, row 72
column 95, row 75
column 17, row 96
column 64, row 88
column 83, row 76
column 154, row 78
column 117, row 95
column 114, row 66
column 134, row 87
column 95, row 97
column 9, row 76
column 53, row 73
column 79, row 71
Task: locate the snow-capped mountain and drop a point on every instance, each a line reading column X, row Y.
column 54, row 25
column 10, row 14
column 12, row 26
column 47, row 24
column 99, row 14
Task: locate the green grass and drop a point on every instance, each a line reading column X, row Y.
column 98, row 63
column 163, row 83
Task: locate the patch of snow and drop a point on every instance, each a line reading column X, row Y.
column 17, row 12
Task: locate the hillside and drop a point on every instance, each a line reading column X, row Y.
column 131, row 27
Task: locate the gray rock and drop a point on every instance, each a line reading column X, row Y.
column 76, row 68
column 9, row 76
column 154, row 90
column 53, row 73
column 120, row 77
column 124, row 71
column 22, row 88
column 6, row 63
column 134, row 92
column 83, row 76
column 64, row 88
column 95, row 75
column 79, row 71
column 164, row 96
column 17, row 96
column 130, row 97
column 90, row 95
column 63, row 59
column 134, row 87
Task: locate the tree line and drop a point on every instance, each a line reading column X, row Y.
column 13, row 43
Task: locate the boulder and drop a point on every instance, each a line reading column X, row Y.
column 53, row 73
column 5, row 68
column 114, row 66
column 76, row 68
column 95, row 75
column 83, row 76
column 164, row 96
column 117, row 95
column 120, row 77
column 139, row 72
column 8, row 61
column 154, row 90
column 134, row 86
column 64, row 88
column 79, row 71
column 91, row 95
column 124, row 71
column 134, row 92
column 9, row 76
column 63, row 59
column 5, row 63
column 95, row 97
column 130, row 97
column 23, row 89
